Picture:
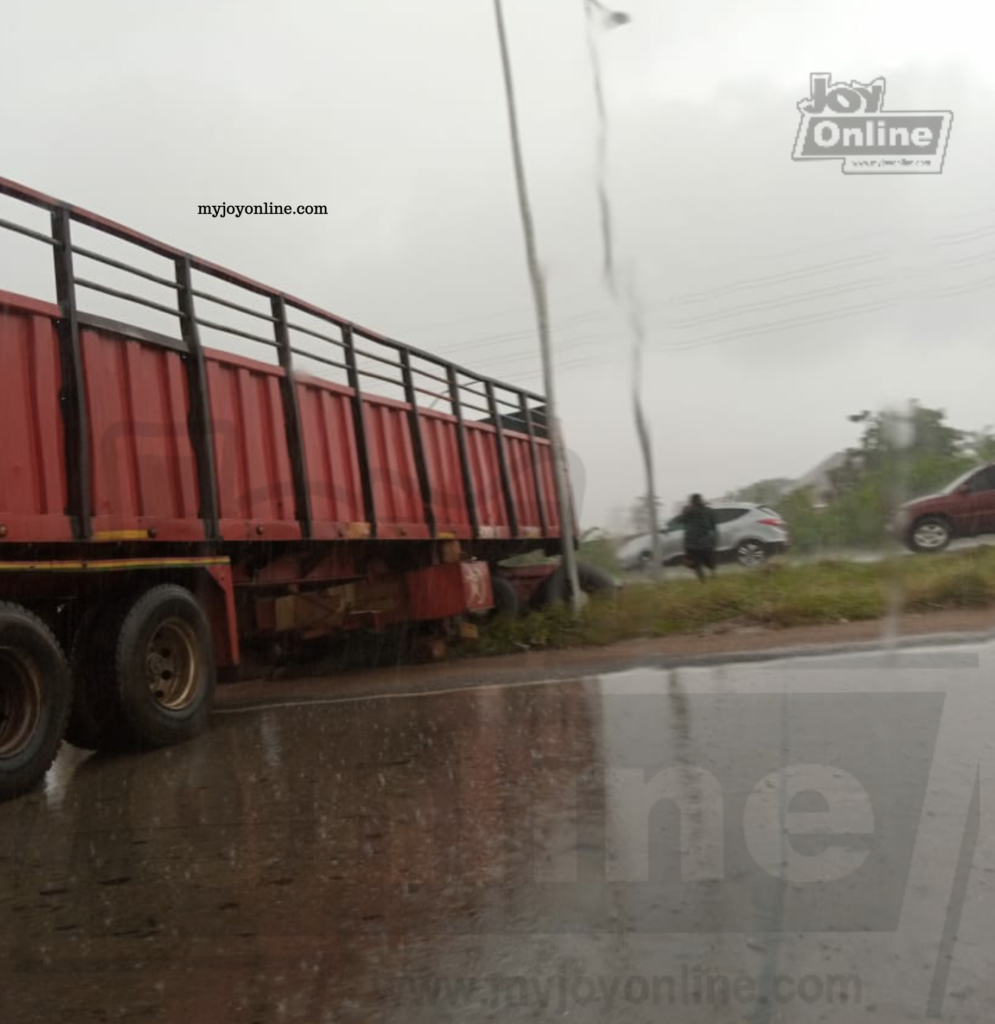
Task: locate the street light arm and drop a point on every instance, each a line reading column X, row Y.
column 612, row 18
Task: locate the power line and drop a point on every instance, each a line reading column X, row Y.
column 730, row 288
column 510, row 359
column 770, row 279
column 948, row 291
column 978, row 259
column 777, row 302
column 977, row 233
column 832, row 314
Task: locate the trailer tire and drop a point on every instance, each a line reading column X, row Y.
column 94, row 720
column 35, row 693
column 556, row 589
column 164, row 668
column 506, row 602
column 114, row 707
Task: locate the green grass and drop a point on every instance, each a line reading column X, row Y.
column 776, row 595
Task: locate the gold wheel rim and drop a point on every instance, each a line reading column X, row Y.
column 172, row 665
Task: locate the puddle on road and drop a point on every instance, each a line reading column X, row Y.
column 310, row 856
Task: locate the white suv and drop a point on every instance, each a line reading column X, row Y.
column 748, row 534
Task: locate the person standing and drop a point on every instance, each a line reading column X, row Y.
column 700, row 536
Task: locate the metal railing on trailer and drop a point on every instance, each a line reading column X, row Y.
column 413, row 371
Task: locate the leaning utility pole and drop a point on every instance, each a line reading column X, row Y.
column 540, row 302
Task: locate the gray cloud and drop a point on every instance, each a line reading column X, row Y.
column 779, row 296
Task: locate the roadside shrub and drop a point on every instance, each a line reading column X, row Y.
column 793, row 595
column 971, row 589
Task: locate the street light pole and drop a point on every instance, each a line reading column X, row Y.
column 540, row 302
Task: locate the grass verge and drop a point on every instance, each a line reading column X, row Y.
column 776, row 595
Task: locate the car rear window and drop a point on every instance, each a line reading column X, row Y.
column 984, row 481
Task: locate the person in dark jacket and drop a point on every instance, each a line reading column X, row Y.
column 700, row 536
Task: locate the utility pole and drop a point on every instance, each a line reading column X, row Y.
column 541, row 305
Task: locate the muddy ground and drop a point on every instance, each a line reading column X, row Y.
column 716, row 643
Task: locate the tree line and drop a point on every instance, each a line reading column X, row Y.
column 896, row 458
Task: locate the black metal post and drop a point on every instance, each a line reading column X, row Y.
column 201, row 423
column 464, row 451
column 292, row 417
column 359, row 425
column 72, row 396
column 502, row 448
column 417, row 440
column 536, row 464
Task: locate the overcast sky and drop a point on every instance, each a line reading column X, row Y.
column 779, row 296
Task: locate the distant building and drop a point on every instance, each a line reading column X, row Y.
column 818, row 480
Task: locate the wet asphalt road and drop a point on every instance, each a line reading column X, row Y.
column 804, row 840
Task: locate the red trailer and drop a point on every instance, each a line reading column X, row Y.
column 164, row 500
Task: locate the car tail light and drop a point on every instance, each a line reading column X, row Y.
column 770, row 522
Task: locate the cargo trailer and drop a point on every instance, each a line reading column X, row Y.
column 220, row 465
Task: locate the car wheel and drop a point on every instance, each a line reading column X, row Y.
column 750, row 554
column 931, row 533
column 645, row 560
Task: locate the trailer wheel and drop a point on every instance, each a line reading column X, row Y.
column 35, row 691
column 94, row 720
column 164, row 668
column 145, row 672
column 506, row 602
column 556, row 589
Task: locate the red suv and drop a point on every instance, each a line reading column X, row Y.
column 964, row 508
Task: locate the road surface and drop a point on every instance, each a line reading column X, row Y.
column 801, row 840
